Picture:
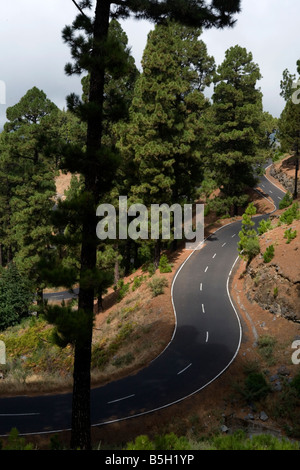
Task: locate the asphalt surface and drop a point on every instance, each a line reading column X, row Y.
column 206, row 340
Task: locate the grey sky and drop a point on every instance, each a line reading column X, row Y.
column 32, row 52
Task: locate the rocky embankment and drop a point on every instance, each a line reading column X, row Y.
column 275, row 285
column 284, row 173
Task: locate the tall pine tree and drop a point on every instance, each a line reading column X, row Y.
column 166, row 133
column 236, row 130
column 94, row 51
column 289, row 122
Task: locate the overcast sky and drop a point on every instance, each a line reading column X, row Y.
column 32, row 52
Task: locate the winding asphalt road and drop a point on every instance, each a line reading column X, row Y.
column 205, row 342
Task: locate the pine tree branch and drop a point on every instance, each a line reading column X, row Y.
column 80, row 9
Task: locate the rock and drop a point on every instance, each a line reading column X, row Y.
column 277, row 387
column 224, row 428
column 263, row 416
column 283, row 370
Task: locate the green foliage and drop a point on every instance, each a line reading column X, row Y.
column 161, row 442
column 16, row 297
column 236, row 125
column 291, row 214
column 286, row 201
column 137, row 282
column 295, row 383
column 102, row 354
column 123, row 289
column 157, row 285
column 264, row 226
column 248, row 245
column 16, row 442
column 290, row 235
column 256, row 387
column 266, row 346
column 164, row 266
column 269, row 254
column 239, row 441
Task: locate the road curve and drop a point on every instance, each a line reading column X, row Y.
column 205, row 342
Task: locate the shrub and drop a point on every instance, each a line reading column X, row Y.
column 290, row 235
column 137, row 282
column 286, row 201
column 290, row 214
column 265, row 346
column 123, row 289
column 295, row 383
column 256, row 387
column 264, row 226
column 269, row 254
column 16, row 297
column 164, row 266
column 162, row 442
column 157, row 285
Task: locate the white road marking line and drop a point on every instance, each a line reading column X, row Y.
column 206, row 337
column 120, row 399
column 214, row 255
column 263, row 185
column 233, row 235
column 223, row 244
column 203, row 309
column 201, row 286
column 178, row 373
column 206, row 269
column 279, row 198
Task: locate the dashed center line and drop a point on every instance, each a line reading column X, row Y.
column 203, row 308
column 214, row 255
column 223, row 244
column 201, row 287
column 206, row 269
column 178, row 373
column 120, row 399
column 206, row 340
column 233, row 235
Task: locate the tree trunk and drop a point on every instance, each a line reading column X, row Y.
column 81, row 432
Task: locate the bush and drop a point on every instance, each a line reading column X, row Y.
column 290, row 235
column 256, row 387
column 164, row 266
column 264, row 226
column 296, row 384
column 265, row 346
column 16, row 297
column 286, row 201
column 290, row 214
column 157, row 285
column 137, row 282
column 269, row 254
column 164, row 442
column 123, row 289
